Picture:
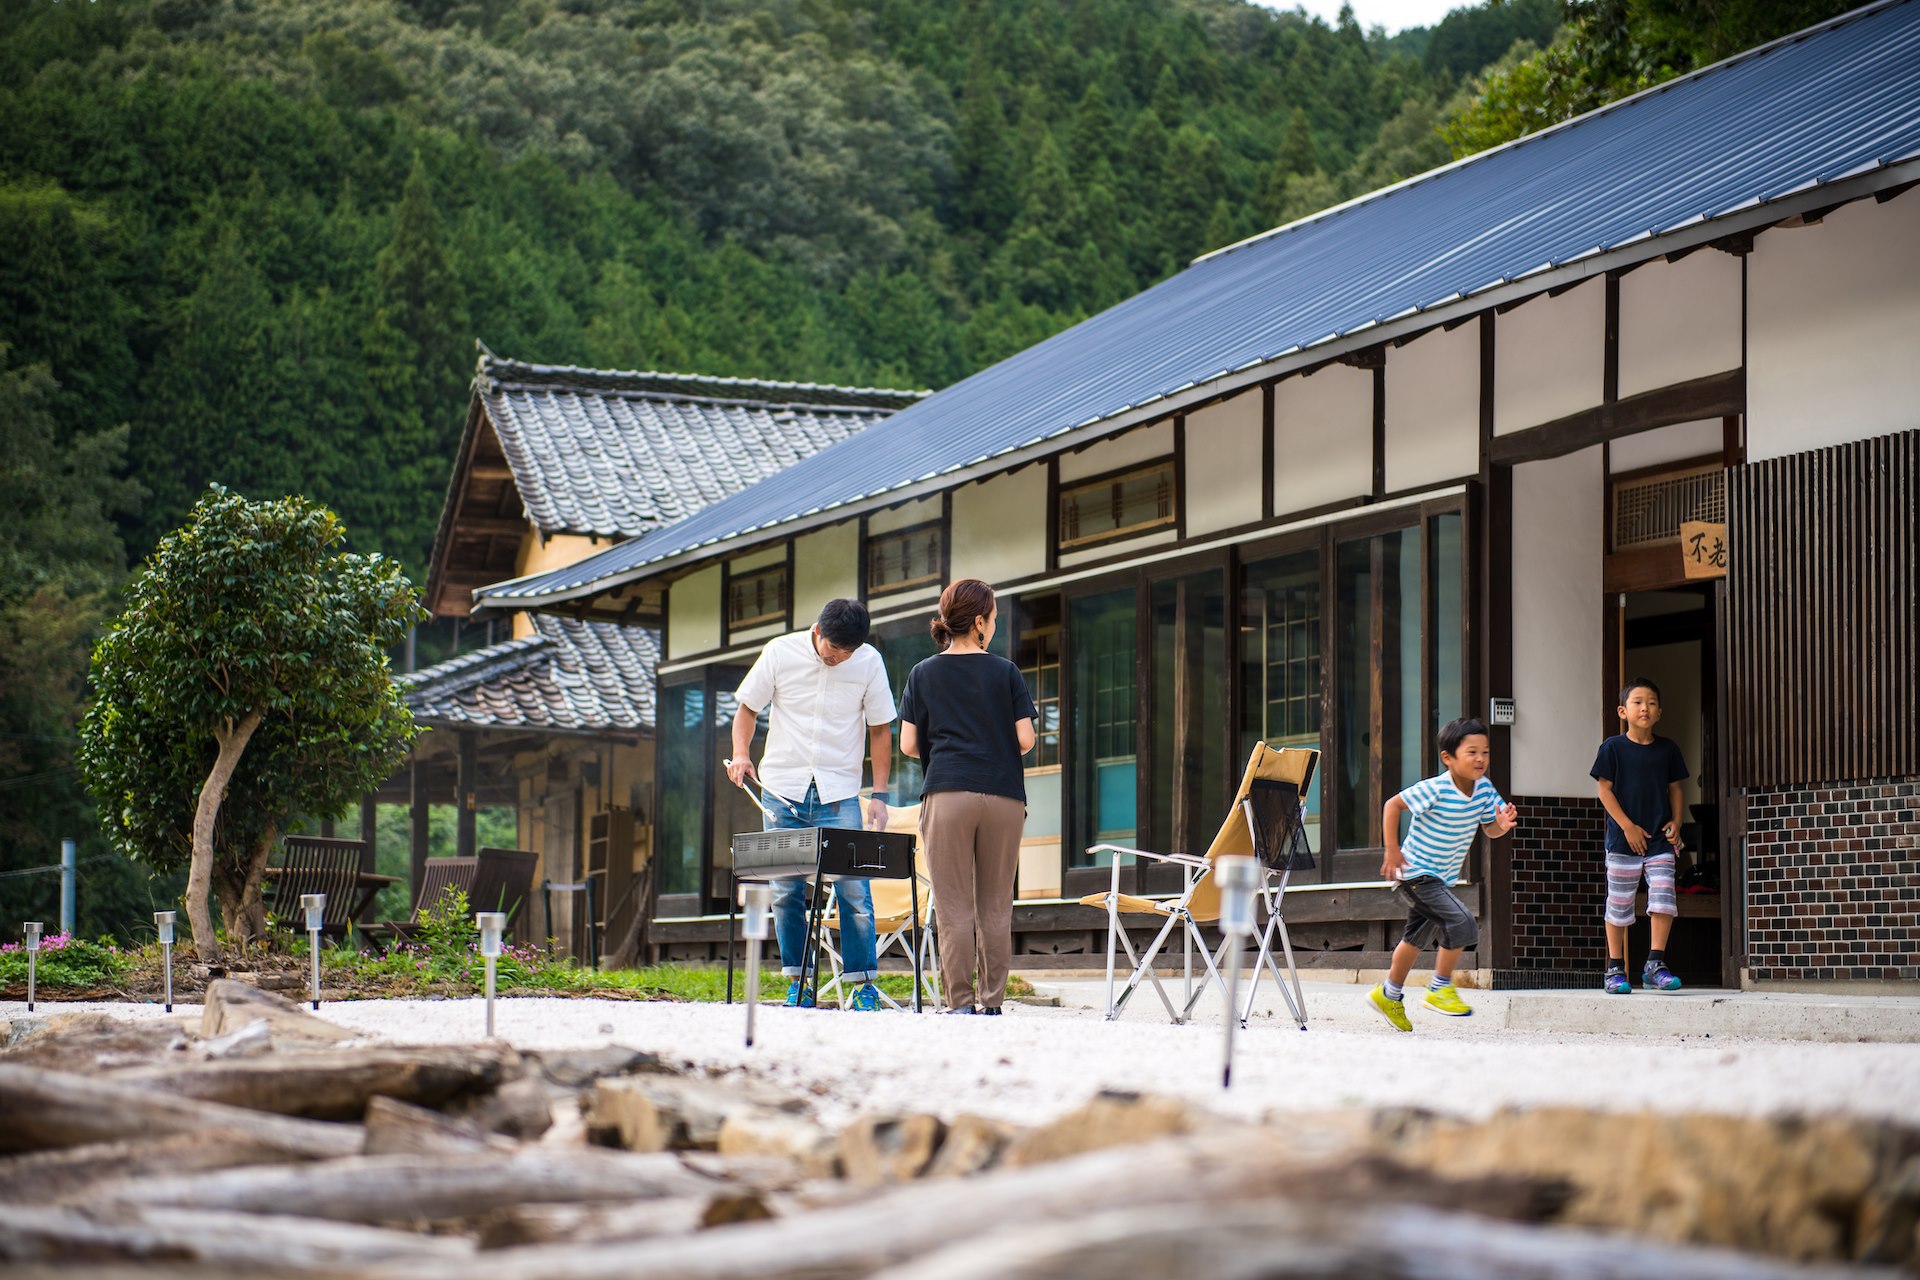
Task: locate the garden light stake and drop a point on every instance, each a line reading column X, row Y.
column 33, row 928
column 315, row 905
column 1239, row 880
column 492, row 924
column 163, row 926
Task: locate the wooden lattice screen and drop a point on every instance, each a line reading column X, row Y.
column 1823, row 630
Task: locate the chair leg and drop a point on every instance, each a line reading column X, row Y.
column 1295, row 996
column 1143, row 967
column 1214, row 961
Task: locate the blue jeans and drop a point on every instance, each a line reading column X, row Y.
column 790, row 896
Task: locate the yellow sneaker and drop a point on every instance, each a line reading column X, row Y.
column 1394, row 1011
column 1447, row 1000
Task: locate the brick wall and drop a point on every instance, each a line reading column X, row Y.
column 1833, row 882
column 1559, row 884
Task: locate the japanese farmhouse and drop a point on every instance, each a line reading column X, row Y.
column 1639, row 394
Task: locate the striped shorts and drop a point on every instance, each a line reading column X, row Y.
column 1623, row 881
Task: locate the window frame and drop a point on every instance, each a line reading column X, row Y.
column 731, row 578
column 935, row 574
column 1168, row 463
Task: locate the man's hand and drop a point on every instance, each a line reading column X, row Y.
column 1505, row 819
column 1636, row 836
column 1391, row 865
column 739, row 768
column 876, row 815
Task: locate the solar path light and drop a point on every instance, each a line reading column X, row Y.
column 756, row 902
column 315, row 905
column 492, row 924
column 163, row 926
column 33, row 928
column 1239, row 882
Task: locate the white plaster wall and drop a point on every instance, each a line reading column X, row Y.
column 1000, row 527
column 1108, row 550
column 1322, row 438
column 1143, row 444
column 1833, row 314
column 1680, row 442
column 766, row 630
column 1679, row 320
column 1224, row 455
column 693, row 613
column 1433, row 408
column 905, row 516
column 1558, row 637
column 759, row 559
column 826, row 566
column 1549, row 358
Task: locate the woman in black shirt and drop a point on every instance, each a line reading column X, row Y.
column 968, row 715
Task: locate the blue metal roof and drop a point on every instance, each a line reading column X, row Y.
column 1836, row 102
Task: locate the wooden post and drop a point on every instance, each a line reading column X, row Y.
column 418, row 811
column 466, row 791
column 369, row 821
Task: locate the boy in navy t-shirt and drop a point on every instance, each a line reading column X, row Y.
column 1640, row 776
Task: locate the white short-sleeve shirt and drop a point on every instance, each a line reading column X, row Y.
column 818, row 715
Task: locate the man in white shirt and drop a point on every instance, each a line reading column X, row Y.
column 824, row 685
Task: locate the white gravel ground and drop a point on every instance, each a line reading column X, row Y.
column 1037, row 1062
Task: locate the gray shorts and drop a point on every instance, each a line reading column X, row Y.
column 1435, row 915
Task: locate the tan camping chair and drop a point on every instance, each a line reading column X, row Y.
column 893, row 922
column 1263, row 822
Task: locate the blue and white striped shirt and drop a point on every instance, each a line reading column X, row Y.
column 1443, row 824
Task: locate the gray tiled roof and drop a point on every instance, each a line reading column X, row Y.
column 577, row 677
column 600, row 452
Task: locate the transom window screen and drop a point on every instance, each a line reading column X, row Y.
column 903, row 558
column 756, row 597
column 1648, row 512
column 1133, row 502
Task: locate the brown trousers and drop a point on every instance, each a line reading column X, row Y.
column 973, row 850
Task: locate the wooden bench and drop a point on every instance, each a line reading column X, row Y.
column 340, row 869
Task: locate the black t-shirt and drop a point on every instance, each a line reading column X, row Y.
column 965, row 707
column 1640, row 775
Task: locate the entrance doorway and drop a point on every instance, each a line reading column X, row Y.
column 1666, row 635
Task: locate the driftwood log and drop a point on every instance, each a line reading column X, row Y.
column 893, row 1226
column 262, row 1244
column 335, row 1084
column 231, row 1005
column 1309, row 1242
column 71, row 1173
column 50, row 1109
column 397, row 1128
column 411, row 1189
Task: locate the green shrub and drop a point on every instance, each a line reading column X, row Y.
column 66, row 961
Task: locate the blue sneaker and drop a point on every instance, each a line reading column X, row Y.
column 1617, row 984
column 866, row 999
column 1659, row 978
column 799, row 995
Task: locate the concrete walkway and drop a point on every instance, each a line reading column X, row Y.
column 1704, row 1013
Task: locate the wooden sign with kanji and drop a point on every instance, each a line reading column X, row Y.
column 1703, row 549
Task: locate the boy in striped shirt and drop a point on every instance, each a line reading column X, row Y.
column 1447, row 809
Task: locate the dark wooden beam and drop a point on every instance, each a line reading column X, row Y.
column 1714, row 396
column 490, row 470
column 490, row 526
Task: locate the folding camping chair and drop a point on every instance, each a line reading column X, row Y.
column 893, row 923
column 1264, row 822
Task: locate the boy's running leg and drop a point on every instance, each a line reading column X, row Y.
column 1441, row 996
column 1388, row 999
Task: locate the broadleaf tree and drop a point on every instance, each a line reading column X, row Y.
column 245, row 684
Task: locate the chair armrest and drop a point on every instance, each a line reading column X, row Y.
column 1185, row 859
